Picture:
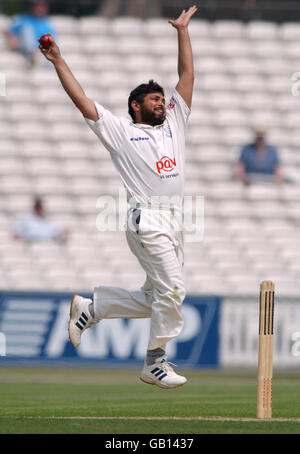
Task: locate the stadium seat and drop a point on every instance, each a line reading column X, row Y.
column 146, row 63
column 76, row 61
column 244, row 66
column 157, row 27
column 65, row 24
column 91, row 25
column 19, row 203
column 201, row 117
column 44, row 185
column 15, row 184
column 204, row 47
column 277, row 65
column 269, row 49
column 13, row 60
column 100, row 45
column 263, row 192
column 84, row 186
column 6, row 130
column 69, row 43
column 268, row 118
column 127, row 26
column 257, row 101
column 67, row 131
column 279, row 83
column 19, row 111
column 227, row 99
column 50, row 95
column 199, row 29
column 260, row 30
column 211, row 65
column 235, row 136
column 202, row 136
column 230, row 118
column 218, row 82
column 25, row 130
column 130, row 46
column 11, row 166
column 107, row 61
column 19, row 93
column 234, row 49
column 289, row 31
column 167, row 47
column 227, row 29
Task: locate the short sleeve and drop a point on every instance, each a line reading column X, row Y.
column 108, row 128
column 177, row 110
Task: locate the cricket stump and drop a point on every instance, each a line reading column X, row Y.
column 265, row 351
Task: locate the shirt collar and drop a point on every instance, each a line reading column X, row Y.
column 142, row 126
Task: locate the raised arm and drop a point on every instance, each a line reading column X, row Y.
column 68, row 81
column 185, row 55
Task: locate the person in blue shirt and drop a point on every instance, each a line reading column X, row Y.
column 25, row 30
column 259, row 161
column 36, row 226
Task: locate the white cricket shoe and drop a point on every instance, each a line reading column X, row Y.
column 80, row 318
column 161, row 374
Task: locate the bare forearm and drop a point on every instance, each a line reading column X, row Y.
column 185, row 54
column 68, row 81
column 74, row 90
column 185, row 66
column 241, row 174
column 277, row 175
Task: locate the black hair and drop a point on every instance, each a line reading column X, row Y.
column 37, row 202
column 139, row 93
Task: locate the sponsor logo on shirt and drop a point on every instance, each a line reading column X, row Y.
column 172, row 103
column 137, row 139
column 165, row 164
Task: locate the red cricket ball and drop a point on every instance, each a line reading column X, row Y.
column 44, row 41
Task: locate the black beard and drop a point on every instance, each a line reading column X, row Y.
column 151, row 118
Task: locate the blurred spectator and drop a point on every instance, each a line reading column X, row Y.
column 27, row 28
column 35, row 226
column 259, row 161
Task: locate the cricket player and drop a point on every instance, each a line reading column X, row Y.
column 148, row 152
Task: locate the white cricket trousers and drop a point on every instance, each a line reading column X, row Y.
column 155, row 237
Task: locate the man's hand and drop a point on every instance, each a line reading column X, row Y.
column 52, row 53
column 184, row 19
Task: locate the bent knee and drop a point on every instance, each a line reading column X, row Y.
column 179, row 292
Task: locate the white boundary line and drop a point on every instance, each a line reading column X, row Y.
column 157, row 418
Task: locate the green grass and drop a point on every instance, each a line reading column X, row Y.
column 77, row 401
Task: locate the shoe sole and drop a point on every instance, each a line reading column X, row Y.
column 71, row 310
column 161, row 385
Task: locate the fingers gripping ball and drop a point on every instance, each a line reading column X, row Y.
column 45, row 41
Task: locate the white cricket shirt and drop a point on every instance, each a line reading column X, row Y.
column 149, row 159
